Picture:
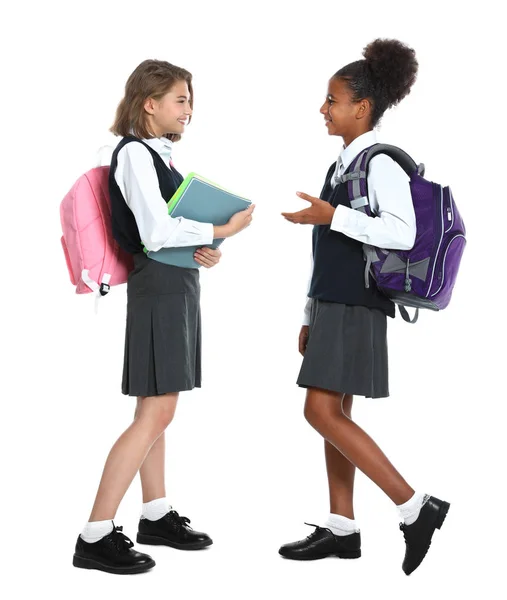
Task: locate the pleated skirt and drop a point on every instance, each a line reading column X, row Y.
column 346, row 350
column 163, row 329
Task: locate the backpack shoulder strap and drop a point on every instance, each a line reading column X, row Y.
column 399, row 156
column 154, row 154
column 356, row 174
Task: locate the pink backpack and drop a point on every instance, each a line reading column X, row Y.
column 94, row 259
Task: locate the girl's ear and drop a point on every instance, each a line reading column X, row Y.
column 363, row 109
column 149, row 106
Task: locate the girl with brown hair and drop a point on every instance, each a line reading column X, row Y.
column 163, row 330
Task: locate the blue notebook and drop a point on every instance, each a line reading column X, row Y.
column 201, row 200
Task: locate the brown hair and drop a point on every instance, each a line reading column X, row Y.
column 151, row 79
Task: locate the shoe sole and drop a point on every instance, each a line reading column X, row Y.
column 350, row 554
column 88, row 563
column 153, row 540
column 442, row 514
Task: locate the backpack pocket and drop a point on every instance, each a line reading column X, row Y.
column 446, row 270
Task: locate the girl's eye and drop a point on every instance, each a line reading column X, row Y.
column 330, row 101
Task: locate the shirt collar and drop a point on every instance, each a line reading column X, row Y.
column 354, row 148
column 162, row 145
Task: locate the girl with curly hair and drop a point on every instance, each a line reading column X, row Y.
column 343, row 337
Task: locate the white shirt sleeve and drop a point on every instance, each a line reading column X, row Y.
column 137, row 179
column 308, row 306
column 394, row 227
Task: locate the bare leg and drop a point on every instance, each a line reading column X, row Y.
column 324, row 412
column 129, row 452
column 340, row 472
column 152, row 471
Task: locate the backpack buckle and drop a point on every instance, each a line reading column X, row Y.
column 104, row 289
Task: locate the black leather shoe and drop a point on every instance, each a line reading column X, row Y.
column 418, row 535
column 322, row 543
column 113, row 554
column 172, row 530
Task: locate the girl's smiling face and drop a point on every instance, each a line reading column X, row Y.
column 171, row 113
column 344, row 117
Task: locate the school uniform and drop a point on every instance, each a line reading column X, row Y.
column 347, row 344
column 162, row 338
column 163, row 328
column 346, row 350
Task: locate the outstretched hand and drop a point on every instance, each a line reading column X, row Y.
column 319, row 212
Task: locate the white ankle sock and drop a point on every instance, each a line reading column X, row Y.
column 341, row 525
column 95, row 530
column 409, row 511
column 155, row 509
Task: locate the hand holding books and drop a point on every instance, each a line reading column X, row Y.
column 236, row 223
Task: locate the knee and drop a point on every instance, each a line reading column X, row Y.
column 316, row 413
column 160, row 418
column 163, row 417
column 322, row 410
column 157, row 413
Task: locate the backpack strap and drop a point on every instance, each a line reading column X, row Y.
column 399, row 156
column 355, row 178
column 357, row 188
column 406, row 316
column 109, row 264
column 357, row 173
column 102, row 286
column 108, row 270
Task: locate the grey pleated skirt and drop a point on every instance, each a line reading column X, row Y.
column 163, row 330
column 346, row 350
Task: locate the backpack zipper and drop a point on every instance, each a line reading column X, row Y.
column 440, row 241
column 443, row 261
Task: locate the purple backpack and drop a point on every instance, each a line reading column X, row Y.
column 424, row 276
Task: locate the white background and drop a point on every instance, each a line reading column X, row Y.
column 242, row 462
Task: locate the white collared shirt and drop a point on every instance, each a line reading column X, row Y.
column 137, row 179
column 394, row 226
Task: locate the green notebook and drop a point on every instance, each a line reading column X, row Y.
column 202, row 200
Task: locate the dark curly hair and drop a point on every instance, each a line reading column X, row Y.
column 384, row 76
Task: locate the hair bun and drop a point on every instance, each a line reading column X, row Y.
column 393, row 68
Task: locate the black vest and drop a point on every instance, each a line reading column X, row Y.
column 125, row 230
column 338, row 261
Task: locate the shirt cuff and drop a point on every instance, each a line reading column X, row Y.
column 340, row 218
column 306, row 315
column 207, row 232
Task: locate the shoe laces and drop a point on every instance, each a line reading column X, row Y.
column 317, row 528
column 403, row 527
column 180, row 522
column 119, row 540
